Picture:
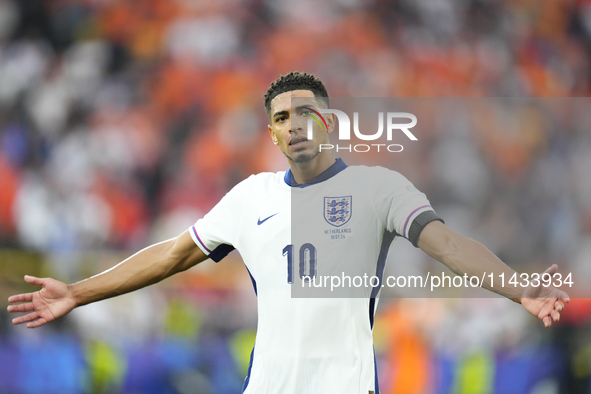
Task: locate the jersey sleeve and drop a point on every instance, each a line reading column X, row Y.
column 216, row 233
column 406, row 210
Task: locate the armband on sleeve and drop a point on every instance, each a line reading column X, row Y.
column 419, row 224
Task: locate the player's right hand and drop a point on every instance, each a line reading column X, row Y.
column 54, row 300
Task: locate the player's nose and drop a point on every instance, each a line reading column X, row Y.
column 296, row 126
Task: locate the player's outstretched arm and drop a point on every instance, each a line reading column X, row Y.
column 465, row 256
column 146, row 267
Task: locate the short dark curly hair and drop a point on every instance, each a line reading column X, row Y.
column 295, row 80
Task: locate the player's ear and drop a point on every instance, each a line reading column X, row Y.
column 330, row 122
column 272, row 134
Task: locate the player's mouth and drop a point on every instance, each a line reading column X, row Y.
column 298, row 142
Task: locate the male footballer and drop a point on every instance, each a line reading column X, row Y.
column 303, row 345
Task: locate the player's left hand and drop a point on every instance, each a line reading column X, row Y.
column 545, row 303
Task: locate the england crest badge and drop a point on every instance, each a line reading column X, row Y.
column 337, row 210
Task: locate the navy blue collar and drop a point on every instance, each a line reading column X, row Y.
column 331, row 171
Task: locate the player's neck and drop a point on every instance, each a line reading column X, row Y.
column 305, row 172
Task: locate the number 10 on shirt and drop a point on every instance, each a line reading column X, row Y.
column 307, row 255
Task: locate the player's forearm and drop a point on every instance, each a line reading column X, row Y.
column 474, row 259
column 465, row 256
column 144, row 268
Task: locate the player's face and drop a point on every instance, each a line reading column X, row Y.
column 289, row 126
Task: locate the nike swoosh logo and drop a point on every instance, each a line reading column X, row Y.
column 259, row 222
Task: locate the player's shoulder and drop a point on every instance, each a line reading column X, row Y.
column 261, row 179
column 377, row 174
column 266, row 177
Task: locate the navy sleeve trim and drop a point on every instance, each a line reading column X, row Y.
column 220, row 252
column 419, row 224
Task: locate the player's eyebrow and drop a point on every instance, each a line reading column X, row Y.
column 301, row 107
column 284, row 112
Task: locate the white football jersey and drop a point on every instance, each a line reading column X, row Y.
column 344, row 220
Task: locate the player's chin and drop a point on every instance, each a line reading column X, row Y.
column 303, row 156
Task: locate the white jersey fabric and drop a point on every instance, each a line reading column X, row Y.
column 312, row 345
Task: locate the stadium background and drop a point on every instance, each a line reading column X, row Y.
column 122, row 122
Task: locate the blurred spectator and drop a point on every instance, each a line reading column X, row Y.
column 122, row 122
